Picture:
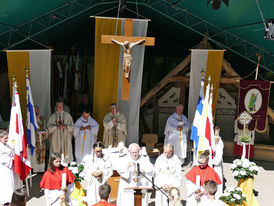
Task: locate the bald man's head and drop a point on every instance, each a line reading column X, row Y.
column 134, row 151
column 179, row 109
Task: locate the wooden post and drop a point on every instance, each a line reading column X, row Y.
column 137, row 197
column 182, row 93
column 155, row 115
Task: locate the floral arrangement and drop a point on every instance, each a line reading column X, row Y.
column 77, row 171
column 233, row 196
column 244, row 169
column 244, row 138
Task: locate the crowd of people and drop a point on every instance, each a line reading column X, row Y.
column 203, row 182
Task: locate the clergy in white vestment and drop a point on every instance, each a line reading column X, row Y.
column 38, row 157
column 128, row 170
column 176, row 132
column 218, row 159
column 6, row 169
column 97, row 170
column 60, row 131
column 85, row 133
column 167, row 173
column 115, row 130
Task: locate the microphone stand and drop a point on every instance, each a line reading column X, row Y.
column 155, row 186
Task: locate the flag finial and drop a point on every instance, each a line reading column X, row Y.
column 209, row 79
column 27, row 71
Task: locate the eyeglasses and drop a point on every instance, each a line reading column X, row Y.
column 201, row 163
column 98, row 151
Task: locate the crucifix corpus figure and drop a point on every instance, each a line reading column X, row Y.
column 127, row 54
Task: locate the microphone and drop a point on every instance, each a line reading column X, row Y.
column 138, row 169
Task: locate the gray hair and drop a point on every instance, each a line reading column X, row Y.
column 3, row 133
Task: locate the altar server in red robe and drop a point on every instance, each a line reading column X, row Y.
column 196, row 178
column 51, row 181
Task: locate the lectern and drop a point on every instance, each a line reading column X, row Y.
column 138, row 194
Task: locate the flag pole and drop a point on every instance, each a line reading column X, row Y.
column 30, row 174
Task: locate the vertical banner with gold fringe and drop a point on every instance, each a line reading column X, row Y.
column 39, row 64
column 210, row 62
column 106, row 69
column 110, row 81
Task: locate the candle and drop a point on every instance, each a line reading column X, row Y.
column 198, row 178
column 64, row 180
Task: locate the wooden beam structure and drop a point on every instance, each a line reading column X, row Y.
column 164, row 81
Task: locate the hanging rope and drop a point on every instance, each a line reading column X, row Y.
column 118, row 13
column 137, row 10
column 261, row 13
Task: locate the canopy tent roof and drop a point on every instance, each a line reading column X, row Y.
column 177, row 25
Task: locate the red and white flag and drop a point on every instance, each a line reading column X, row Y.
column 209, row 133
column 18, row 139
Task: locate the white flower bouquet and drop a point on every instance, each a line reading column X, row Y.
column 233, row 196
column 77, row 171
column 244, row 169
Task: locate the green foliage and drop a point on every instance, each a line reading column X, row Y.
column 77, row 171
column 244, row 169
column 245, row 138
column 234, row 196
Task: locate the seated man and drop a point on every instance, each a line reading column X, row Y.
column 104, row 192
column 209, row 195
column 115, row 130
column 130, row 166
column 167, row 173
column 201, row 173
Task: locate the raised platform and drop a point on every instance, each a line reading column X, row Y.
column 261, row 152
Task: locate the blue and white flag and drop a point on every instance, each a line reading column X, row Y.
column 32, row 124
column 197, row 122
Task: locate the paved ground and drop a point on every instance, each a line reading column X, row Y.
column 263, row 186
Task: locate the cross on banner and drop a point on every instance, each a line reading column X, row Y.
column 127, row 58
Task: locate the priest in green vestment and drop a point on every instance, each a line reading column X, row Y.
column 115, row 130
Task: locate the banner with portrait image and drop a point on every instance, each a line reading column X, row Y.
column 253, row 98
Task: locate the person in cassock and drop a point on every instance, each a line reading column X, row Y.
column 128, row 170
column 52, row 182
column 218, row 159
column 6, row 169
column 104, row 192
column 39, row 154
column 115, row 130
column 60, row 131
column 97, row 171
column 201, row 173
column 85, row 133
column 176, row 132
column 167, row 173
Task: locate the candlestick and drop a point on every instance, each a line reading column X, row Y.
column 64, row 180
column 198, row 178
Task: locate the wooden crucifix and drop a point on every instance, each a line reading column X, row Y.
column 127, row 42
